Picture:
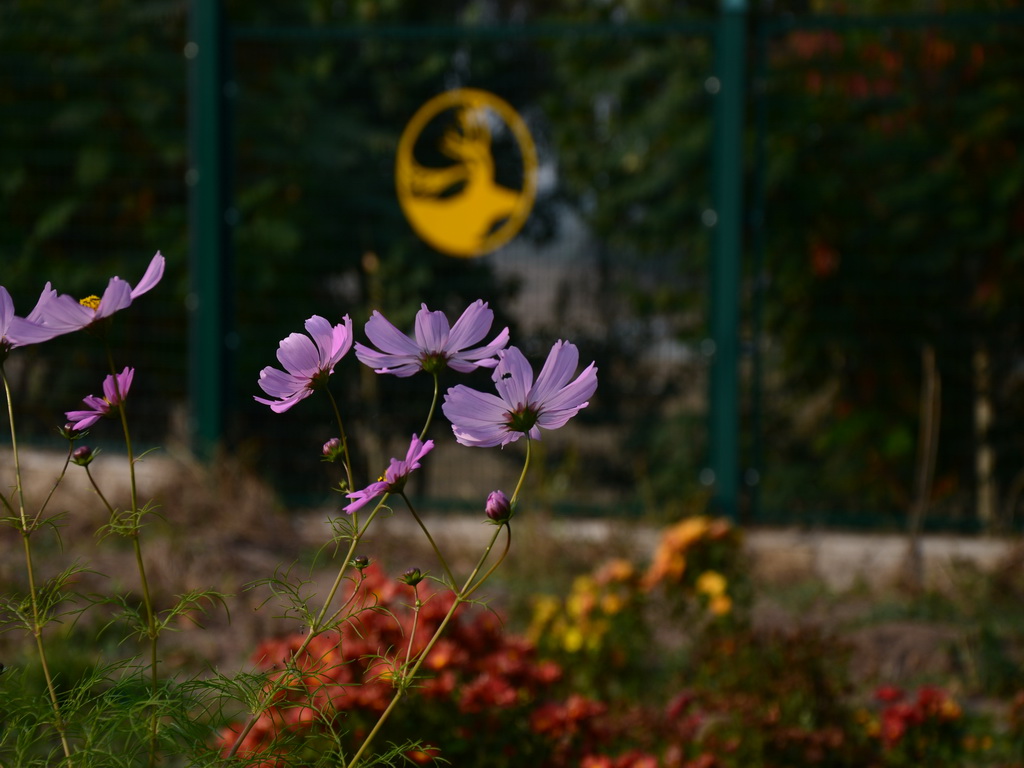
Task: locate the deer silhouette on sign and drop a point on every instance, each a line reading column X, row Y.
column 458, row 206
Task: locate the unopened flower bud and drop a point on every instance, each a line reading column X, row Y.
column 360, row 562
column 412, row 577
column 332, row 449
column 68, row 432
column 83, row 455
column 498, row 508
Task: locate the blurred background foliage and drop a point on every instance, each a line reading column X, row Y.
column 884, row 171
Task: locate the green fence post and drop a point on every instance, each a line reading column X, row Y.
column 726, row 219
column 207, row 236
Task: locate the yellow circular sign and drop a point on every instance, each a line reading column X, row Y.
column 458, row 205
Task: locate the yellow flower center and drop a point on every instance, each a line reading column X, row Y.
column 92, row 302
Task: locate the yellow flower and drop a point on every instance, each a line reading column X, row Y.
column 683, row 534
column 572, row 641
column 668, row 565
column 595, row 634
column 618, row 569
column 950, row 710
column 720, row 605
column 579, row 604
column 612, row 604
column 545, row 609
column 711, row 583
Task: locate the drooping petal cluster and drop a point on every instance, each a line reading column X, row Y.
column 63, row 314
column 394, row 477
column 307, row 361
column 522, row 406
column 115, row 390
column 434, row 344
column 18, row 331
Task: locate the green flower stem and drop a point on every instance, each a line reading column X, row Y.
column 316, row 628
column 468, row 588
column 152, row 631
column 433, row 406
column 319, row 625
column 26, row 535
column 493, row 568
column 417, row 605
column 522, row 475
column 335, row 617
column 437, row 551
column 53, row 488
column 343, row 438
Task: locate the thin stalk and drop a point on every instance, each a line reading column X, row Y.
column 316, row 628
column 460, row 598
column 343, row 438
column 493, row 568
column 437, row 551
column 26, row 534
column 151, row 628
column 433, row 406
column 53, row 488
column 522, row 475
column 319, row 626
column 415, row 623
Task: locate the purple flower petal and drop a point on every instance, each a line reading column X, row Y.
column 341, row 340
column 431, row 330
column 434, row 344
column 18, row 331
column 298, row 355
column 417, row 450
column 115, row 395
column 82, row 419
column 396, row 365
column 388, row 338
column 282, row 405
column 574, row 395
column 307, row 361
column 471, row 326
column 482, row 357
column 115, row 390
column 395, row 476
column 513, row 377
column 277, row 383
column 524, row 406
column 154, row 272
column 116, row 297
column 63, row 314
column 21, row 332
column 323, row 340
column 477, row 418
column 361, row 498
column 6, row 311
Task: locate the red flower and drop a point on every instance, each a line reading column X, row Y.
column 888, row 694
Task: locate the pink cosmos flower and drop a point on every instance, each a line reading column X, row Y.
column 435, row 344
column 115, row 390
column 64, row 314
column 522, row 406
column 393, row 480
column 307, row 360
column 17, row 331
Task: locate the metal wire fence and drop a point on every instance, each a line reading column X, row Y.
column 884, row 254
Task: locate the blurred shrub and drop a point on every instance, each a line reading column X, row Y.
column 639, row 666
